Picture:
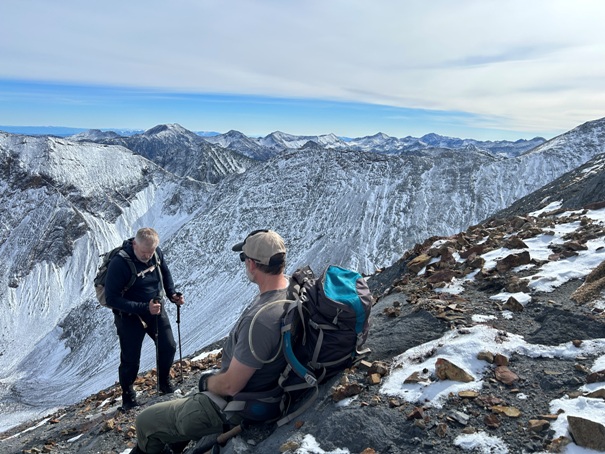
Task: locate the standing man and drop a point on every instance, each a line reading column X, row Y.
column 138, row 310
column 243, row 370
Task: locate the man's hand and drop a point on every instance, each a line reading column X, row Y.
column 155, row 307
column 177, row 298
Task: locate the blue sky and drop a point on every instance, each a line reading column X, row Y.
column 470, row 69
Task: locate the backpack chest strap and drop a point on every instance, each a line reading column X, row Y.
column 142, row 274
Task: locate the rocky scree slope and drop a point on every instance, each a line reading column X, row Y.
column 410, row 309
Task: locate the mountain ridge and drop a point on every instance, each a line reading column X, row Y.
column 277, row 142
column 431, row 139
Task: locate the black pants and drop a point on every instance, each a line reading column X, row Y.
column 131, row 333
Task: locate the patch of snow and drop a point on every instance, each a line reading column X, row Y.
column 481, row 442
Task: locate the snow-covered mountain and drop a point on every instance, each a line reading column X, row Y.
column 263, row 148
column 65, row 202
column 246, row 146
column 382, row 143
column 280, row 140
column 179, row 151
column 277, row 142
column 584, row 185
column 94, row 135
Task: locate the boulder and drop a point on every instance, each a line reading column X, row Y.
column 586, row 433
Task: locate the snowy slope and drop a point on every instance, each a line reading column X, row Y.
column 64, row 203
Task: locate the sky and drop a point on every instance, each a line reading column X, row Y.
column 476, row 69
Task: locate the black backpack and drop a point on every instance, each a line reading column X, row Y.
column 323, row 329
column 99, row 280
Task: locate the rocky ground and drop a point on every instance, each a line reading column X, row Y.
column 408, row 311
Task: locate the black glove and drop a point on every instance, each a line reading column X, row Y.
column 203, row 385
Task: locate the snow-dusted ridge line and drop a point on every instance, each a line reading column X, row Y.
column 277, row 142
column 64, row 162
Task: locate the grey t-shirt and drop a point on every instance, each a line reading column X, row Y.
column 266, row 341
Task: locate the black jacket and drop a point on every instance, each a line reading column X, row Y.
column 136, row 299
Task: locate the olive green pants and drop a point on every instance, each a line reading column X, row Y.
column 189, row 418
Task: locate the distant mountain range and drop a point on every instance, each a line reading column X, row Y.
column 378, row 143
column 58, row 131
column 265, row 147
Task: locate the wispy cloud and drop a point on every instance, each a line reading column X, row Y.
column 524, row 65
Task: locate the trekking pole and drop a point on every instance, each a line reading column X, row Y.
column 178, row 326
column 225, row 437
column 157, row 349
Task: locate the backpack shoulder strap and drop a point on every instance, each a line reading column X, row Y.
column 133, row 271
column 288, row 350
column 158, row 264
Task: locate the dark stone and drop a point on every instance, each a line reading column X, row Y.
column 558, row 327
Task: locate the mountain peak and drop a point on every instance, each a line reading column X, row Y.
column 94, row 135
column 380, row 136
column 234, row 134
column 167, row 128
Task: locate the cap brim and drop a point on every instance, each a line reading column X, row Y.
column 238, row 247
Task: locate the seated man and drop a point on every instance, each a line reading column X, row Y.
column 243, row 366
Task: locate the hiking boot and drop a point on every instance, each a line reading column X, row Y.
column 129, row 401
column 166, row 388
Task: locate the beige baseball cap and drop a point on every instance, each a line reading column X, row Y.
column 263, row 246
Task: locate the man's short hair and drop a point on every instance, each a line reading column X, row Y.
column 277, row 268
column 148, row 236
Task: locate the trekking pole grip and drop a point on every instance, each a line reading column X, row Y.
column 178, row 307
